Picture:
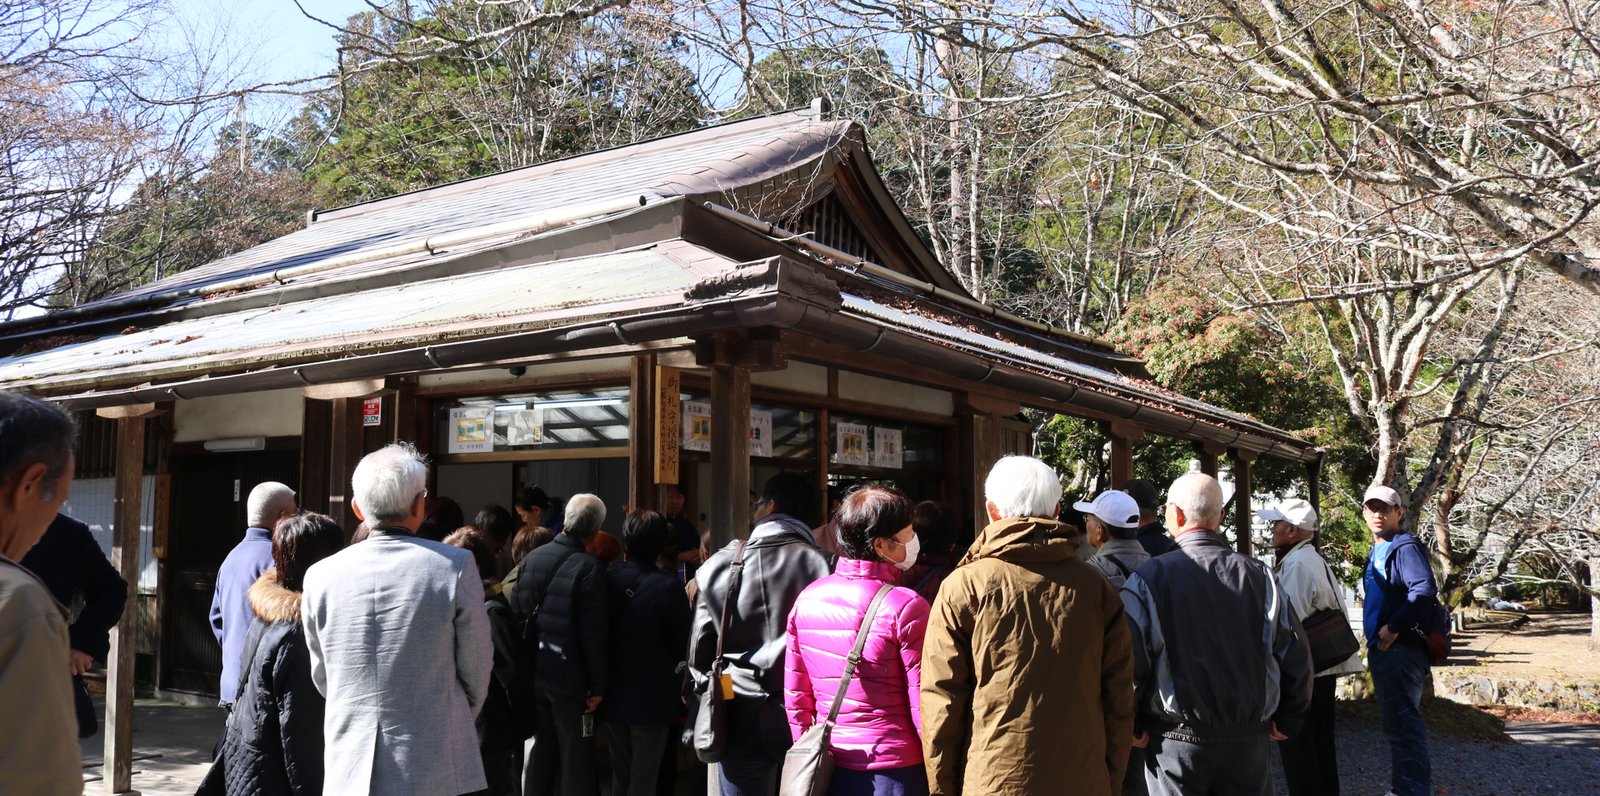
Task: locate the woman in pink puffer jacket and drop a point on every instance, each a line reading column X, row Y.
column 876, row 741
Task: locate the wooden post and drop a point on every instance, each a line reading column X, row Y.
column 1122, row 435
column 1208, row 453
column 1242, row 487
column 730, row 453
column 642, row 434
column 981, row 439
column 117, row 765
column 1314, row 483
column 344, row 451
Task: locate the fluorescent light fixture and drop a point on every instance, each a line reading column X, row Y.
column 580, row 403
column 230, row 444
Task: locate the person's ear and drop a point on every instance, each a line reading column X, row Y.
column 992, row 510
column 29, row 483
column 356, row 508
column 1178, row 517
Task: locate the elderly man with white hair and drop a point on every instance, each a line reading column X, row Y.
column 562, row 591
column 1220, row 664
column 399, row 644
column 1310, row 763
column 1026, row 670
column 269, row 502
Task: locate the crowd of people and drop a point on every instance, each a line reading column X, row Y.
column 1134, row 651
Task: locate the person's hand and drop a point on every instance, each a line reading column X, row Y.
column 1276, row 734
column 79, row 662
column 1142, row 740
column 1386, row 637
column 593, row 704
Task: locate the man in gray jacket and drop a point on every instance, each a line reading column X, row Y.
column 780, row 560
column 1220, row 663
column 40, row 752
column 399, row 644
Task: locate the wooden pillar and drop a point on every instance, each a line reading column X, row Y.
column 730, row 453
column 1314, row 483
column 983, row 438
column 117, row 766
column 1208, row 454
column 344, row 452
column 642, row 431
column 1123, row 435
column 1243, row 486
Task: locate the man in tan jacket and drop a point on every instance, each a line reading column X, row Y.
column 1027, row 668
column 40, row 754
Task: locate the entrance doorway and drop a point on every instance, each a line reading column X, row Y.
column 209, row 494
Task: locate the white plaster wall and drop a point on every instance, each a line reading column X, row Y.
column 883, row 392
column 270, row 413
column 93, row 502
column 798, row 377
column 537, row 370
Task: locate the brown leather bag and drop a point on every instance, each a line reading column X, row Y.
column 808, row 765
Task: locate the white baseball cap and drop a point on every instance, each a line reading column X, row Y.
column 1296, row 512
column 1382, row 493
column 1117, row 509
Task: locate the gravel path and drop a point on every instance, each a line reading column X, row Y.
column 1548, row 759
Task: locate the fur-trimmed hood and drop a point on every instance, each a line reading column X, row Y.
column 274, row 603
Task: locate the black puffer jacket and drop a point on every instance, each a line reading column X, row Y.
column 274, row 737
column 572, row 630
column 649, row 638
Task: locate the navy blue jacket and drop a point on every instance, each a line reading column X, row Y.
column 70, row 562
column 649, row 638
column 1401, row 598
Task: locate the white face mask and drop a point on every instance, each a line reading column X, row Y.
column 912, row 548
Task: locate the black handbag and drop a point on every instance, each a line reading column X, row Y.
column 1329, row 634
column 808, row 765
column 710, row 718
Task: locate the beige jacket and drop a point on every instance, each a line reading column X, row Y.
column 1027, row 670
column 40, row 754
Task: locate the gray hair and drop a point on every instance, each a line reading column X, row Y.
column 1200, row 497
column 268, row 501
column 387, row 482
column 585, row 514
column 1022, row 486
column 35, row 432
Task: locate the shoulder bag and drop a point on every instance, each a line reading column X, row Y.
column 1328, row 632
column 808, row 765
column 710, row 719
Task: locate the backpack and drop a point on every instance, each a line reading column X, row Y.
column 1433, row 628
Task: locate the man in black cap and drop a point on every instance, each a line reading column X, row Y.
column 1152, row 534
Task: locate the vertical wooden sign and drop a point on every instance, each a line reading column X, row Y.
column 669, row 423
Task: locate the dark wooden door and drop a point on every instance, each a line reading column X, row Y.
column 209, row 493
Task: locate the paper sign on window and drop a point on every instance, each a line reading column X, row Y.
column 696, row 426
column 886, row 448
column 852, row 443
column 760, row 432
column 526, row 427
column 470, row 431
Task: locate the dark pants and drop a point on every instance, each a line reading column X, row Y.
column 1214, row 768
column 1310, row 765
column 758, row 736
column 563, row 761
column 635, row 757
column 1133, row 783
column 907, row 781
column 1399, row 674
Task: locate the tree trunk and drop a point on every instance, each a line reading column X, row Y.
column 1594, row 602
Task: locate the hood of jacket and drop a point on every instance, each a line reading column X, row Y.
column 271, row 602
column 1024, row 539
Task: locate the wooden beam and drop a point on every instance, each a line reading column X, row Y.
column 1243, row 486
column 730, row 453
column 1122, row 434
column 131, row 410
column 360, row 388
column 117, row 767
column 315, row 456
column 1208, row 453
column 981, row 444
